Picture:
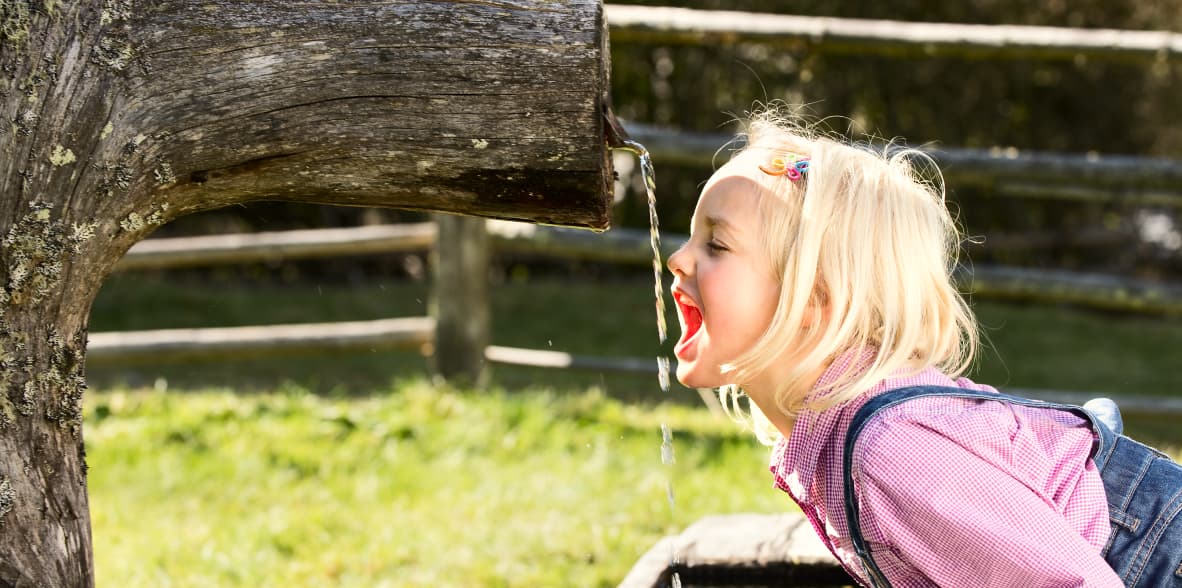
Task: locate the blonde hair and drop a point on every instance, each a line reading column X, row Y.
column 873, row 246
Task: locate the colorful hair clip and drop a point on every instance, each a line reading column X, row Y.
column 791, row 166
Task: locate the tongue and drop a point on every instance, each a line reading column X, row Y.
column 693, row 322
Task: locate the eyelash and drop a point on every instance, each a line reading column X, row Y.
column 715, row 247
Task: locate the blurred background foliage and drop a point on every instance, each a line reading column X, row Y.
column 1075, row 106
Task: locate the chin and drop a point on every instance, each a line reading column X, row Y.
column 690, row 375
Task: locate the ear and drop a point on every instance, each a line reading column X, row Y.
column 815, row 316
column 817, row 313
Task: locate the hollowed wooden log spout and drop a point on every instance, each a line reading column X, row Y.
column 491, row 108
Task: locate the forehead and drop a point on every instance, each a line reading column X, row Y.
column 746, row 163
column 736, row 187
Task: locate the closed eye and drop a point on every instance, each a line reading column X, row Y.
column 715, row 247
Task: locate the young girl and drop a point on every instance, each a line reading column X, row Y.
column 817, row 277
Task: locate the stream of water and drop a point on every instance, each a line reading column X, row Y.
column 667, row 458
column 654, row 233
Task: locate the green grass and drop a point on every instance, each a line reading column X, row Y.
column 414, row 486
column 317, row 471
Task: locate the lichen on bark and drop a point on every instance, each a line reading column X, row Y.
column 37, row 247
column 14, row 22
column 65, row 375
column 7, row 497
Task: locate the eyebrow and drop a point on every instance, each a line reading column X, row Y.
column 715, row 221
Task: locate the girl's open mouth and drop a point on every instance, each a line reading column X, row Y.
column 691, row 322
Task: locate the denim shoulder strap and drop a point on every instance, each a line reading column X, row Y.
column 900, row 395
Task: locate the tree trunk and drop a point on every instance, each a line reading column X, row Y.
column 119, row 116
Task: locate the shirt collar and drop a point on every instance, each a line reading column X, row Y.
column 796, row 459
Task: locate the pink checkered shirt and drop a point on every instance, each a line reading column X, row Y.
column 954, row 492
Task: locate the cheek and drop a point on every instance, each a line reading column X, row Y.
column 757, row 303
column 742, row 311
column 740, row 300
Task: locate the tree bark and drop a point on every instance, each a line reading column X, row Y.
column 120, row 115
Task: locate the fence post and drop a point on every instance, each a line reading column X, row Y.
column 460, row 303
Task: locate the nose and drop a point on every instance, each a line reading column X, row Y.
column 678, row 263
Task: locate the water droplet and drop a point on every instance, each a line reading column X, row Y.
column 663, row 373
column 666, row 445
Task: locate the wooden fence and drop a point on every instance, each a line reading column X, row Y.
column 459, row 331
column 467, row 347
column 618, row 246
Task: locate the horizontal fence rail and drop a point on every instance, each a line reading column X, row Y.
column 417, row 334
column 411, row 333
column 621, row 246
column 561, row 359
column 1147, row 181
column 397, row 334
column 1100, row 291
column 229, row 249
column 669, row 25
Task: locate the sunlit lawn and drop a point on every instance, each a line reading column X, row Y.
column 414, row 486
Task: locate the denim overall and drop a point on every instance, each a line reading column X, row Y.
column 1143, row 485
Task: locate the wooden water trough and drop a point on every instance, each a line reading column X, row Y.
column 746, row 550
